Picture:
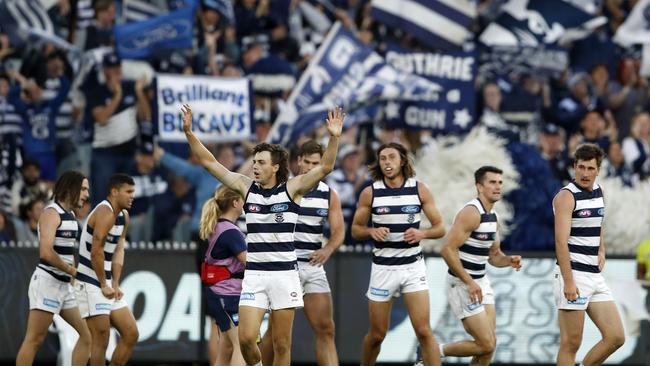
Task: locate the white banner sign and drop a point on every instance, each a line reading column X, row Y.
column 221, row 107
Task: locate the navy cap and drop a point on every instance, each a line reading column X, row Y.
column 111, row 59
column 551, row 129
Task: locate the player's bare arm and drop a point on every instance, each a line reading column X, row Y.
column 360, row 230
column 301, row 184
column 103, row 222
column 238, row 182
column 47, row 226
column 563, row 205
column 499, row 259
column 118, row 259
column 437, row 229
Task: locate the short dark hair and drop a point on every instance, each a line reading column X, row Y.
column 407, row 167
column 310, row 147
column 586, row 152
column 118, row 180
column 279, row 156
column 68, row 187
column 480, row 173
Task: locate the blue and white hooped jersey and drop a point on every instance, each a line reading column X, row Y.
column 85, row 271
column 64, row 242
column 397, row 209
column 586, row 224
column 314, row 211
column 271, row 217
column 474, row 253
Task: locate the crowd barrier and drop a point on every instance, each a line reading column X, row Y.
column 163, row 290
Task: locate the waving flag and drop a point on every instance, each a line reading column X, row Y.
column 636, row 31
column 437, row 23
column 139, row 10
column 347, row 73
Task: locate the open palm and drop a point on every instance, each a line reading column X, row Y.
column 187, row 117
column 334, row 121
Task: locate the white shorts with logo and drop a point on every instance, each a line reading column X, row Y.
column 387, row 282
column 313, row 278
column 49, row 294
column 92, row 302
column 458, row 296
column 273, row 290
column 591, row 288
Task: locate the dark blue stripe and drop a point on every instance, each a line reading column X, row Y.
column 472, row 266
column 271, row 247
column 87, row 279
column 411, row 28
column 86, row 262
column 488, row 217
column 267, row 192
column 272, row 266
column 393, row 244
column 107, row 256
column 89, row 229
column 588, row 212
column 119, row 221
column 64, row 250
column 583, row 249
column 112, row 239
column 388, row 192
column 483, row 236
column 318, row 194
column 465, row 248
column 307, row 246
column 584, row 267
column 66, row 234
column 397, row 228
column 395, row 261
column 313, row 211
column 304, row 228
column 474, row 276
column 586, row 195
column 586, row 231
column 284, row 227
column 62, row 278
column 450, row 13
column 303, row 259
column 67, row 216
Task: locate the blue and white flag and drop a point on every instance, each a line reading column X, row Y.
column 271, row 75
column 454, row 111
column 224, row 7
column 222, row 107
column 138, row 40
column 347, row 73
column 636, row 31
column 437, row 23
column 139, row 10
column 26, row 21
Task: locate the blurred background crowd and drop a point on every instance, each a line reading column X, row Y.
column 70, row 99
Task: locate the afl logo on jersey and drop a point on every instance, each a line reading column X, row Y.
column 482, row 236
column 410, row 209
column 322, row 212
column 382, row 210
column 584, row 213
column 280, row 207
column 254, row 208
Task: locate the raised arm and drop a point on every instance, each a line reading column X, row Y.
column 337, row 231
column 235, row 181
column 437, row 229
column 118, row 259
column 563, row 205
column 467, row 220
column 299, row 185
column 47, row 226
column 104, row 221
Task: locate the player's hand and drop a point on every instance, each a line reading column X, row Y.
column 187, row 118
column 515, row 262
column 571, row 292
column 320, row 256
column 118, row 293
column 108, row 291
column 379, row 233
column 334, row 121
column 413, row 236
column 475, row 292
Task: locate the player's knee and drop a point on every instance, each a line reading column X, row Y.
column 376, row 337
column 571, row 344
column 423, row 332
column 282, row 346
column 34, row 340
column 615, row 340
column 84, row 337
column 325, row 329
column 487, row 345
column 130, row 336
column 100, row 337
column 246, row 341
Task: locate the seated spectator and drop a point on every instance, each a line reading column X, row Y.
column 553, row 150
column 7, row 229
column 27, row 227
column 173, row 211
column 615, row 167
column 572, row 109
column 29, row 186
column 100, row 32
column 627, row 95
column 491, row 116
column 593, row 131
column 636, row 147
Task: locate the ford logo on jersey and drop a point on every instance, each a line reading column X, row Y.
column 279, row 207
column 254, row 208
column 322, row 212
column 382, row 210
column 410, row 209
column 584, row 213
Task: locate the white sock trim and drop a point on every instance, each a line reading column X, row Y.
column 441, row 347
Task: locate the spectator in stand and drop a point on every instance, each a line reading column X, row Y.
column 100, row 32
column 112, row 107
column 173, row 211
column 492, row 98
column 553, row 150
column 29, row 186
column 27, row 227
column 7, row 229
column 614, row 166
column 593, row 130
column 11, row 124
column 628, row 95
column 573, row 108
column 636, row 147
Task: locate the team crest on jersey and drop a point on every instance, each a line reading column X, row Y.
column 584, row 213
column 279, row 217
column 322, row 212
column 254, row 208
column 382, row 210
column 410, row 209
column 411, row 218
column 279, row 207
column 601, row 211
